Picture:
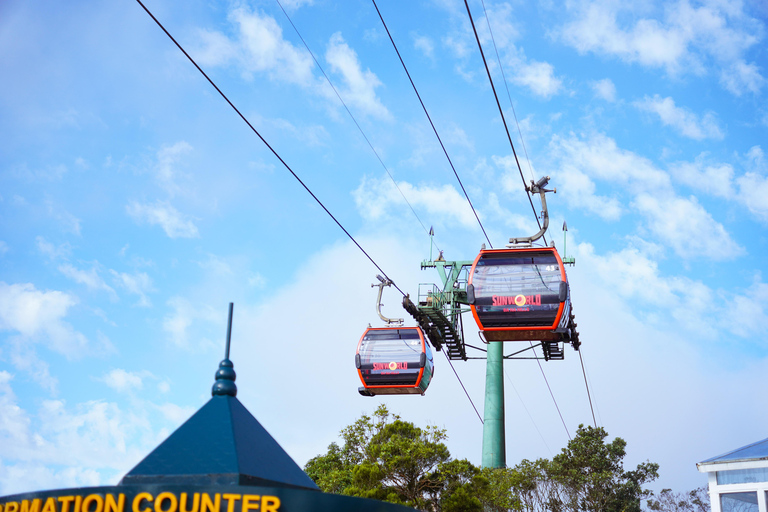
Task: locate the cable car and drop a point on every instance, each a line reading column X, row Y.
column 394, row 361
column 520, row 294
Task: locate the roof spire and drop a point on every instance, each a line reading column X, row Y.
column 225, row 375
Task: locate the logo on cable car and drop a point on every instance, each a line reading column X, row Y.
column 393, row 366
column 517, row 300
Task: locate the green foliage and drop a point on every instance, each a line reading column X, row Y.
column 591, row 474
column 392, row 460
column 696, row 500
column 386, row 458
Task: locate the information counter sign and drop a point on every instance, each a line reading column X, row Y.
column 184, row 498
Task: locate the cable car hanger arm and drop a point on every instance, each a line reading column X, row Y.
column 536, row 188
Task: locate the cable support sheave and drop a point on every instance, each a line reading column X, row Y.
column 503, row 119
column 269, row 146
column 327, row 78
column 432, row 124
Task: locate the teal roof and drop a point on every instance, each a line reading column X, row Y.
column 754, row 451
column 221, row 444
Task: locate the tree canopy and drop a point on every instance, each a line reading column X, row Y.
column 386, row 458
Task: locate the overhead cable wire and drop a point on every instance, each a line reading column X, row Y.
column 269, row 146
column 432, row 124
column 551, row 394
column 509, row 96
column 527, row 411
column 503, row 119
column 224, row 96
column 465, row 389
column 584, row 371
column 530, row 170
column 327, row 78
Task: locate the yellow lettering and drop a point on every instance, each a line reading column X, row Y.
column 231, row 499
column 11, row 506
column 65, row 501
column 206, row 504
column 250, row 502
column 183, row 502
column 35, row 507
column 270, row 503
column 90, row 499
column 163, row 496
column 137, row 501
column 50, row 505
column 78, row 502
column 111, row 506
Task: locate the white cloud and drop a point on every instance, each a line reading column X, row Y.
column 88, row 444
column 748, row 313
column 681, row 223
column 123, row 381
column 377, row 198
column 719, row 180
column 458, row 45
column 258, row 47
column 539, row 77
column 138, row 283
column 162, row 213
column 684, row 225
column 683, row 120
column 753, row 191
column 359, row 89
column 39, row 315
column 425, row 45
column 165, row 169
column 68, row 222
column 714, row 179
column 90, row 278
column 599, row 156
column 54, row 253
column 605, row 89
column 175, row 413
column 741, row 78
column 684, row 38
column 185, row 314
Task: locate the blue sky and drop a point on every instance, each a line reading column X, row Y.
column 135, row 205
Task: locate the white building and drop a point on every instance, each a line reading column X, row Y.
column 738, row 480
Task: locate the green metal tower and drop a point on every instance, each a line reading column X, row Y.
column 438, row 311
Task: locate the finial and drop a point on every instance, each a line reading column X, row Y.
column 225, row 375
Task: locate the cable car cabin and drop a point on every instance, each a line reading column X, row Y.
column 394, row 361
column 520, row 295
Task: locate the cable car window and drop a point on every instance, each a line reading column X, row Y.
column 391, row 356
column 517, row 289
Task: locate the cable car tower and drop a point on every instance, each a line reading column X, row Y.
column 519, row 293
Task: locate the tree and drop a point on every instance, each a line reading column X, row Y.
column 392, row 460
column 592, row 475
column 386, row 458
column 696, row 500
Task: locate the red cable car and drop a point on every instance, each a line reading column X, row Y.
column 394, row 361
column 520, row 294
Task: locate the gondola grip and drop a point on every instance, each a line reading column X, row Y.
column 357, row 361
column 471, row 293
